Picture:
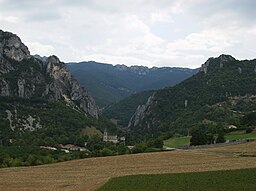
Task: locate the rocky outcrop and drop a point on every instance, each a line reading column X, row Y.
column 137, row 116
column 140, row 113
column 4, row 88
column 222, row 59
column 12, row 47
column 28, row 123
column 204, row 67
column 22, row 75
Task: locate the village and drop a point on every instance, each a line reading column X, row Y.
column 72, row 147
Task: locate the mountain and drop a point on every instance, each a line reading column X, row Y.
column 222, row 93
column 109, row 84
column 39, row 97
column 123, row 110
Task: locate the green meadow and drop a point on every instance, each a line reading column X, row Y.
column 235, row 180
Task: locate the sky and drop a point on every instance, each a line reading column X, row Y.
column 175, row 33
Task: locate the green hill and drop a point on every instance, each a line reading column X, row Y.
column 222, row 93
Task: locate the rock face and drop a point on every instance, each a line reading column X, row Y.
column 28, row 123
column 139, row 115
column 22, row 75
column 12, row 47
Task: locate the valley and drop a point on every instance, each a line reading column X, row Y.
column 102, row 95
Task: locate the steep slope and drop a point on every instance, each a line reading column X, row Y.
column 222, row 92
column 39, row 95
column 117, row 82
column 123, row 110
column 26, row 77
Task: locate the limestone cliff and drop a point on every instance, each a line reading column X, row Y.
column 139, row 115
column 25, row 76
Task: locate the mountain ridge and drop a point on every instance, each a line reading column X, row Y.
column 119, row 81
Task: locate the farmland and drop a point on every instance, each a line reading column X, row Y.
column 240, row 135
column 91, row 173
column 175, row 142
column 235, row 180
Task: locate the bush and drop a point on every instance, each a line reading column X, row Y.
column 107, row 152
column 139, row 148
column 248, row 130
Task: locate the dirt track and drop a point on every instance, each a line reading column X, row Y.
column 89, row 174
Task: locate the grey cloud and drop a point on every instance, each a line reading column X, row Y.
column 43, row 16
column 244, row 9
column 31, row 10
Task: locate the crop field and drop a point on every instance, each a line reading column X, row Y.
column 175, row 142
column 90, row 174
column 235, row 180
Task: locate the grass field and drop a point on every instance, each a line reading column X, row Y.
column 177, row 142
column 234, row 180
column 91, row 173
column 240, row 135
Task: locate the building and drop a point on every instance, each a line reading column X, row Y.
column 231, row 127
column 112, row 138
column 71, row 147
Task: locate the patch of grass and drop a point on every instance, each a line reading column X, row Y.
column 234, row 180
column 240, row 135
column 175, row 142
column 91, row 131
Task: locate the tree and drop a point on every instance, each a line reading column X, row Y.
column 122, row 149
column 139, row 148
column 107, row 152
column 220, row 137
column 198, row 137
column 158, row 143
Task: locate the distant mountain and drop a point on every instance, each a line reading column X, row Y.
column 123, row 110
column 222, row 93
column 109, row 84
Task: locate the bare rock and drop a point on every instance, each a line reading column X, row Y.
column 12, row 47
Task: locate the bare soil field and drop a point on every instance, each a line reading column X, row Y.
column 90, row 174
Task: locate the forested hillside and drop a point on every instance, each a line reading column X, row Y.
column 221, row 94
column 109, row 84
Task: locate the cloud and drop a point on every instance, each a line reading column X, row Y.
column 37, row 48
column 9, row 19
column 160, row 16
column 208, row 40
column 148, row 32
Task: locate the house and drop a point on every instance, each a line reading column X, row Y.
column 49, row 148
column 71, row 147
column 231, row 127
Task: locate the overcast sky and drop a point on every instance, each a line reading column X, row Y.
column 134, row 32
